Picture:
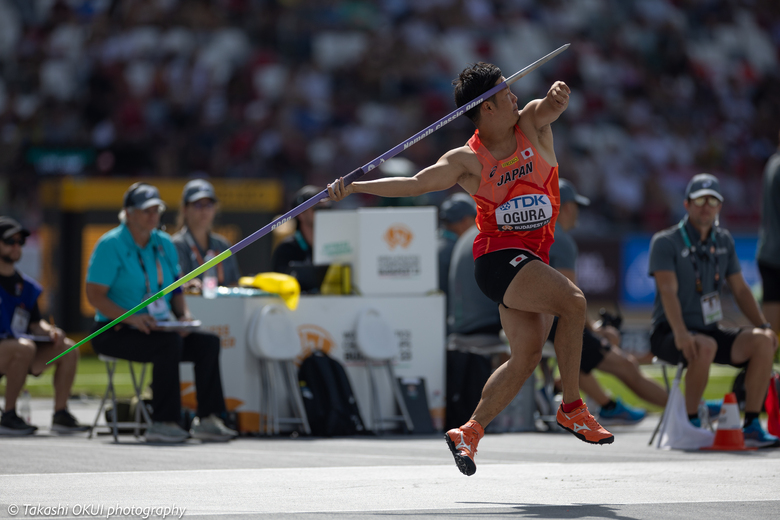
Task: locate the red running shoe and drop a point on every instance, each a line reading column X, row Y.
column 463, row 445
column 582, row 424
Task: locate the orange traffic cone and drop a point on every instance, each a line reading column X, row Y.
column 729, row 436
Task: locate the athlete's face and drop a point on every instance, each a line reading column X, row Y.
column 505, row 100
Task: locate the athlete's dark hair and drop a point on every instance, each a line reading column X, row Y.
column 475, row 79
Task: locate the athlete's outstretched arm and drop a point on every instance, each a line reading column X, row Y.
column 544, row 111
column 443, row 175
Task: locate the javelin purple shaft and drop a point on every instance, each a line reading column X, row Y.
column 419, row 136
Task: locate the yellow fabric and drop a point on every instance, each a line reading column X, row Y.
column 286, row 286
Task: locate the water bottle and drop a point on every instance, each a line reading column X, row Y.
column 24, row 407
column 210, row 281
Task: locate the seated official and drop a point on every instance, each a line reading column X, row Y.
column 691, row 262
column 294, row 254
column 195, row 241
column 21, row 350
column 130, row 263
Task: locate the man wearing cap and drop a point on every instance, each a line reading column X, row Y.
column 27, row 341
column 457, row 214
column 600, row 348
column 691, row 261
column 195, row 241
column 129, row 264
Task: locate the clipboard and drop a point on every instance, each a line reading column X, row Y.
column 179, row 325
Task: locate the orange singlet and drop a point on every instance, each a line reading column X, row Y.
column 517, row 200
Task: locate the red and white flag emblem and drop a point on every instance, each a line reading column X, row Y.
column 527, row 153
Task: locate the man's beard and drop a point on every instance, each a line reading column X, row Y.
column 7, row 259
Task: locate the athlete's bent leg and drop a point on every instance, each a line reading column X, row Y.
column 538, row 288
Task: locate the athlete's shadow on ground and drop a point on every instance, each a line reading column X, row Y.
column 524, row 511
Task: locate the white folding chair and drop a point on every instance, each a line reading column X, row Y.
column 142, row 418
column 272, row 338
column 378, row 344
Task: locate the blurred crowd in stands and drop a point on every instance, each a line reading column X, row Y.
column 308, row 90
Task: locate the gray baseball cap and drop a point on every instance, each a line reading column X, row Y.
column 456, row 207
column 703, row 184
column 568, row 193
column 198, row 189
column 141, row 196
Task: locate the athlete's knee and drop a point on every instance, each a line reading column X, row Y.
column 575, row 306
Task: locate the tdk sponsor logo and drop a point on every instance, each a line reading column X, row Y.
column 524, row 212
column 527, row 201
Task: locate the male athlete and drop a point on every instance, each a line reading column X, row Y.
column 510, row 169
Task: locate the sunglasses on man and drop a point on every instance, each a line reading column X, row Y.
column 14, row 241
column 706, row 199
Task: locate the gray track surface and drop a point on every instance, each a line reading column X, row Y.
column 522, row 475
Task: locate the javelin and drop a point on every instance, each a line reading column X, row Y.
column 348, row 179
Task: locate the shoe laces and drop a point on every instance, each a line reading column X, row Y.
column 469, row 438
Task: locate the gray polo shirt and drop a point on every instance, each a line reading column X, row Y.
column 563, row 252
column 189, row 261
column 769, row 232
column 468, row 309
column 668, row 252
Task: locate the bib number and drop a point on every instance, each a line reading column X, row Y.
column 159, row 309
column 524, row 213
column 20, row 321
column 711, row 309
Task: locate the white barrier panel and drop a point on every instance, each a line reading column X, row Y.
column 326, row 323
column 397, row 251
column 335, row 237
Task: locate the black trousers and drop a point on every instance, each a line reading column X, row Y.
column 165, row 350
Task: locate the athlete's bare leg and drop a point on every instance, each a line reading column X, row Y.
column 526, row 332
column 538, row 288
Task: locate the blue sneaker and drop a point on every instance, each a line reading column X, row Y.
column 713, row 408
column 621, row 414
column 756, row 437
column 696, row 422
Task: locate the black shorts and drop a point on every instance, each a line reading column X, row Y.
column 770, row 279
column 495, row 271
column 662, row 344
column 593, row 350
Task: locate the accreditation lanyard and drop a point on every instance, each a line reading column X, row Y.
column 199, row 258
column 692, row 255
column 146, row 276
